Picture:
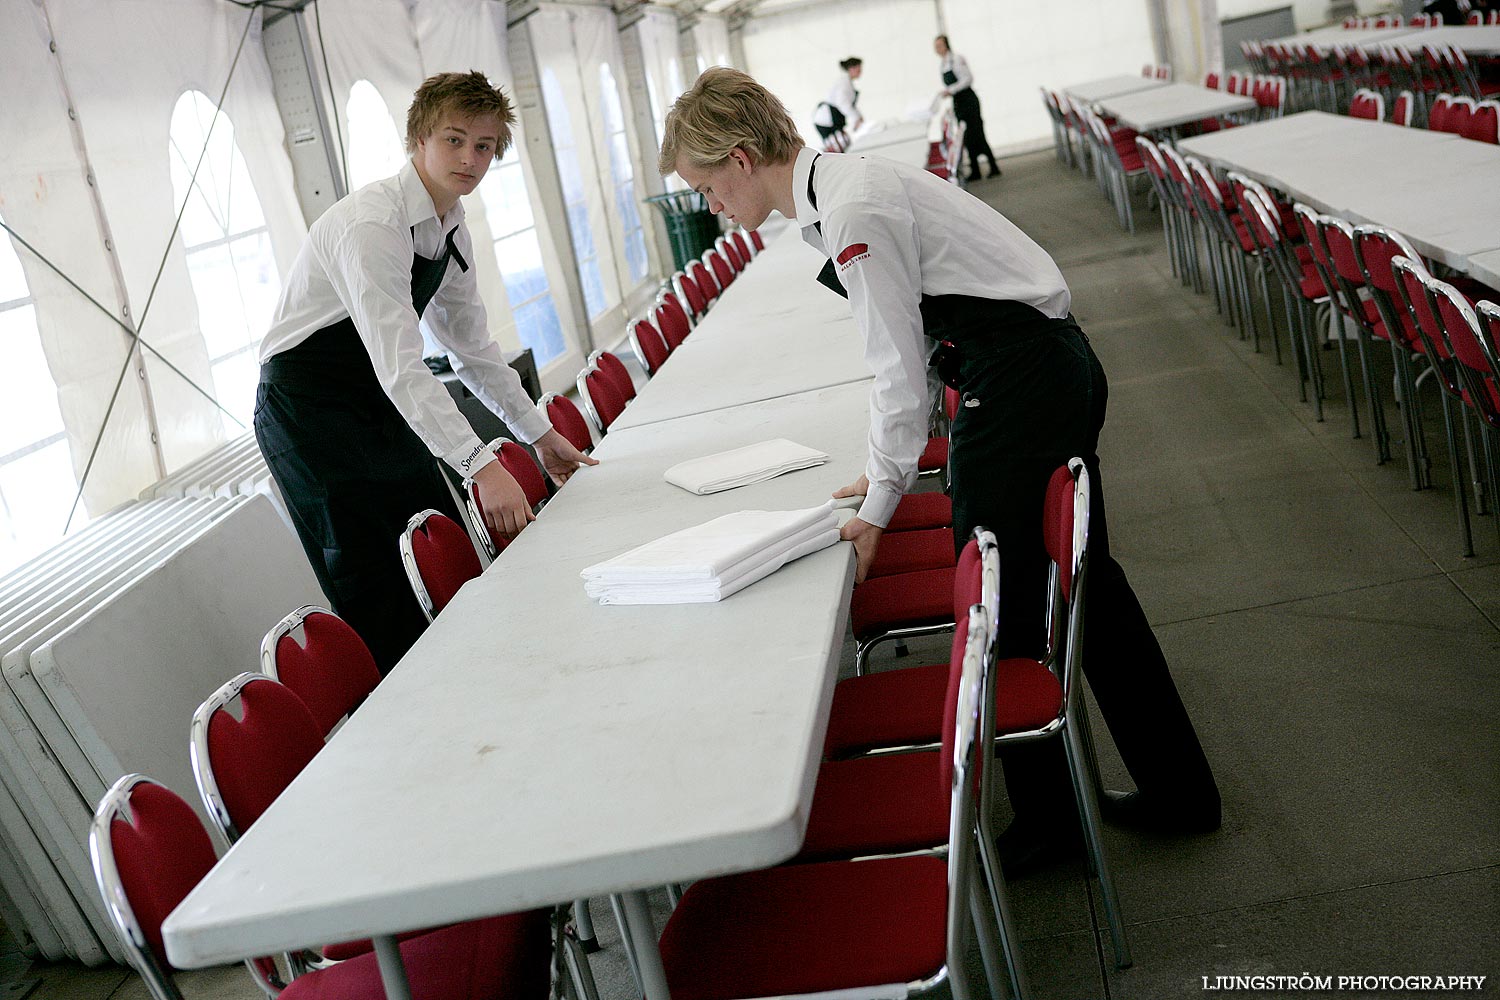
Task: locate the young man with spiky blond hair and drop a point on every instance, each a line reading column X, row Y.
column 347, row 413
column 923, row 262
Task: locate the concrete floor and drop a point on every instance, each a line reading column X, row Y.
column 1340, row 660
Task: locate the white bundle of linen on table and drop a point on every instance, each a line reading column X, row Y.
column 753, row 463
column 710, row 561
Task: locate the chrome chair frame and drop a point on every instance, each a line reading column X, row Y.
column 417, row 522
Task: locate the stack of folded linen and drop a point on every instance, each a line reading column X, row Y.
column 710, row 561
column 742, row 466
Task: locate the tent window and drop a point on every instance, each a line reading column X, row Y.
column 571, row 175
column 622, row 176
column 36, row 466
column 228, row 249
column 507, row 207
column 375, row 149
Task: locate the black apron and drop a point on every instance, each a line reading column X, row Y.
column 352, row 471
column 1034, row 396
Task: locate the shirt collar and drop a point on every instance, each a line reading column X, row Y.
column 806, row 214
column 418, row 203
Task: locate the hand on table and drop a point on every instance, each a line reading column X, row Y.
column 559, row 457
column 866, row 539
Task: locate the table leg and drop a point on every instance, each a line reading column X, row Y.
column 644, row 943
column 392, row 968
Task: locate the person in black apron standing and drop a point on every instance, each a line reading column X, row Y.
column 838, row 113
column 958, row 83
column 347, row 414
column 922, row 261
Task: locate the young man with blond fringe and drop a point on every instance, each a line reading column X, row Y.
column 347, row 414
column 923, row 262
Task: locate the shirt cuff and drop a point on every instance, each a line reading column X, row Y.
column 880, row 504
column 469, row 458
column 530, row 426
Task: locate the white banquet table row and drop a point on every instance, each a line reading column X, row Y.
column 1111, row 86
column 534, row 747
column 1434, row 188
column 1325, row 39
column 1485, row 267
column 1474, row 40
column 1171, row 105
column 774, row 332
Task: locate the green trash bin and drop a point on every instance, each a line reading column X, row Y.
column 691, row 227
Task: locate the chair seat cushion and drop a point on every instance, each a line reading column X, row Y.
column 1312, row 285
column 807, row 929
column 917, row 511
column 876, row 805
column 904, row 707
column 912, row 551
column 905, row 600
column 498, row 958
column 934, row 456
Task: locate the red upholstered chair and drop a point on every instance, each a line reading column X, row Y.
column 1360, row 311
column 1374, row 249
column 1403, row 109
column 755, row 238
column 528, row 475
column 918, row 511
column 567, row 419
column 1310, row 222
column 702, row 276
column 669, row 298
column 1474, row 332
column 1367, row 104
column 330, row 669
column 1439, row 116
column 672, row 321
column 649, row 346
column 913, row 551
column 1237, row 248
column 439, row 559
column 722, row 269
column 883, row 927
column 614, row 369
column 601, row 399
column 731, row 253
column 150, row 850
column 688, row 291
column 1484, row 123
column 934, row 457
column 1212, row 81
column 1461, row 115
column 738, row 241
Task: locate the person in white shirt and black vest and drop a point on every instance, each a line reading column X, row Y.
column 838, row 113
column 347, row 413
column 958, row 83
column 922, row 262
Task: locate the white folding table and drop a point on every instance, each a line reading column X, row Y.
column 1172, row 104
column 535, row 747
column 1111, row 86
column 1485, row 267
column 1474, row 40
column 1325, row 39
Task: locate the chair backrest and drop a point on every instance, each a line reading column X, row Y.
column 1473, row 331
column 1374, row 249
column 1307, row 222
column 648, row 345
column 1367, row 104
column 672, row 323
column 959, row 764
column 723, row 272
column 1484, row 123
column 331, row 669
column 1412, row 283
column 567, row 419
column 600, row 397
column 1440, row 113
column 1401, row 110
column 149, row 850
column 1461, row 115
column 439, row 558
column 242, row 764
column 517, row 461
column 738, row 241
column 731, row 253
column 688, row 290
column 703, row 276
column 669, row 298
column 614, row 369
column 1211, row 81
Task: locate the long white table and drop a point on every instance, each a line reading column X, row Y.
column 1475, row 40
column 1435, row 188
column 534, row 747
column 1172, row 104
column 1111, row 86
column 1324, row 39
column 1485, row 267
column 775, row 332
column 897, row 132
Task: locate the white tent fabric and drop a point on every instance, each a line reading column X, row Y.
column 711, row 40
column 662, row 54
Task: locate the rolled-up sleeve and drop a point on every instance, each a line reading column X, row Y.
column 369, row 266
column 875, row 251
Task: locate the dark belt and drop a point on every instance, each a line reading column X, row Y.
column 971, row 329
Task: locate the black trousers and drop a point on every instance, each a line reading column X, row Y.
column 1032, row 400
column 966, row 109
column 353, row 472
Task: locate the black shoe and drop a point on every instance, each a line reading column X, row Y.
column 995, row 170
column 972, row 176
column 1026, row 849
column 1137, row 811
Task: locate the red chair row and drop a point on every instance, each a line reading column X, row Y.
column 1461, row 115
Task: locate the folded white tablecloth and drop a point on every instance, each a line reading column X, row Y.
column 753, row 463
column 711, row 561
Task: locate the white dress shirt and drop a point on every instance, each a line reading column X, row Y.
column 960, row 67
column 895, row 232
column 842, row 96
column 356, row 262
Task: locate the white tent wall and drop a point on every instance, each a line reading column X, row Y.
column 1191, row 40
column 710, row 42
column 663, row 58
column 796, row 55
column 125, row 132
column 1014, row 49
